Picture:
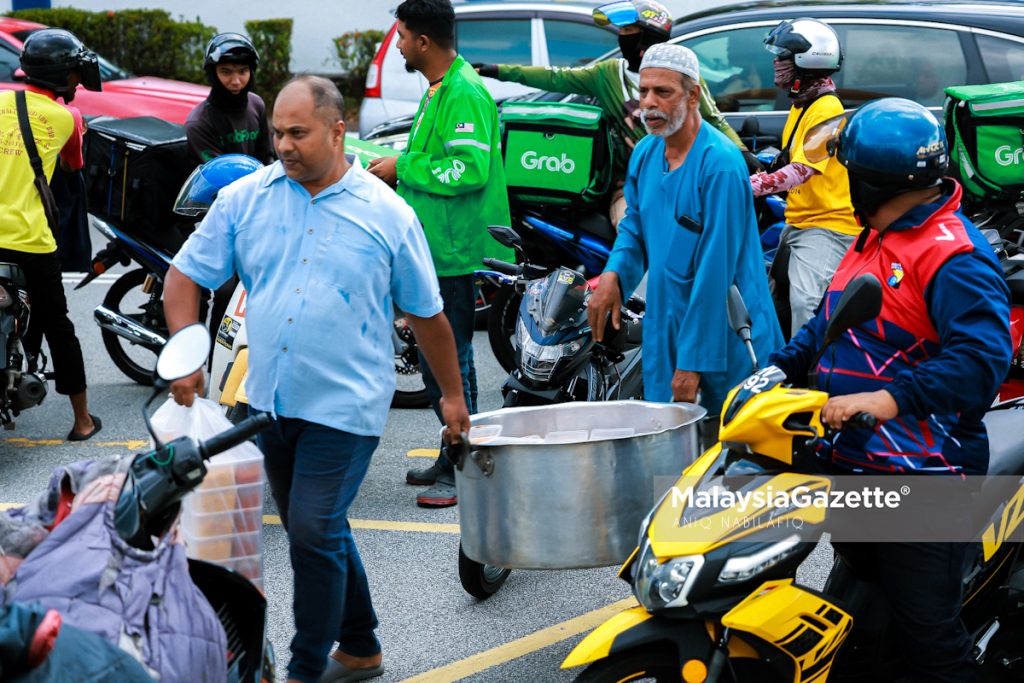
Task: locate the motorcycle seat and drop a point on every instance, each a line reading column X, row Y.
column 1005, row 441
column 13, row 273
column 597, row 225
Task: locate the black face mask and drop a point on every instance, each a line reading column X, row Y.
column 631, row 49
column 222, row 97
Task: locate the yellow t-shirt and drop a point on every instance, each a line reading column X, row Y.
column 23, row 224
column 824, row 200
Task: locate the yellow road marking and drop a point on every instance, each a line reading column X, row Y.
column 387, row 525
column 10, row 506
column 21, row 442
column 423, row 453
column 519, row 648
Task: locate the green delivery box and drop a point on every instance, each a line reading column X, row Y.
column 555, row 152
column 985, row 126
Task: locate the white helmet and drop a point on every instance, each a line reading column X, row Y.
column 812, row 45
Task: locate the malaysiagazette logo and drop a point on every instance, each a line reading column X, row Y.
column 1008, row 156
column 531, row 161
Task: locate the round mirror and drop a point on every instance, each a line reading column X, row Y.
column 184, row 353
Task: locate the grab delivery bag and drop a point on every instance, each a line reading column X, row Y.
column 985, row 126
column 555, row 153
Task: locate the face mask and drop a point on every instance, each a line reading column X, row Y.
column 630, row 46
column 785, row 72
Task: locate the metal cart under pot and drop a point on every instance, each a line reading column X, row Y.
column 564, row 486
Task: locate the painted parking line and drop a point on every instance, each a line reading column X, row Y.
column 104, row 279
column 519, row 648
column 388, row 525
column 423, row 453
column 21, row 442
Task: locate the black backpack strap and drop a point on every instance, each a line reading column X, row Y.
column 806, row 108
column 45, row 193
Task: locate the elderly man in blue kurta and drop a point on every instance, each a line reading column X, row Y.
column 690, row 225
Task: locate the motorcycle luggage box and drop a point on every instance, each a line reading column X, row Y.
column 133, row 170
column 13, row 273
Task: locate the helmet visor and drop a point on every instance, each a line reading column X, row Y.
column 821, row 141
column 234, row 43
column 622, row 13
column 196, row 195
column 89, row 70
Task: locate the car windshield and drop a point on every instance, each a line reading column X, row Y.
column 108, row 70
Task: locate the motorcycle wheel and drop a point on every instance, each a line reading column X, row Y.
column 410, row 391
column 501, row 326
column 485, row 292
column 126, row 297
column 480, row 580
column 641, row 664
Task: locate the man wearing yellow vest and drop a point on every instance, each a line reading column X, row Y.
column 819, row 216
column 54, row 62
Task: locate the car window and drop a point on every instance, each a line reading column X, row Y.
column 1003, row 59
column 494, row 41
column 737, row 69
column 9, row 62
column 905, row 61
column 575, row 44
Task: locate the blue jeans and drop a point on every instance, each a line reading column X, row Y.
column 459, row 296
column 320, row 470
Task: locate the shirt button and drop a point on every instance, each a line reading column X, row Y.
column 310, row 231
column 297, row 290
column 285, row 349
column 290, row 321
column 305, row 260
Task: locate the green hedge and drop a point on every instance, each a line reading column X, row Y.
column 355, row 51
column 144, row 41
column 273, row 40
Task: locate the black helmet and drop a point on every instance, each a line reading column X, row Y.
column 50, row 54
column 231, row 48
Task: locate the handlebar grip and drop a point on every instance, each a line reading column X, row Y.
column 862, row 420
column 243, row 431
column 501, row 266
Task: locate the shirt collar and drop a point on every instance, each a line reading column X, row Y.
column 354, row 181
column 40, row 91
column 922, row 213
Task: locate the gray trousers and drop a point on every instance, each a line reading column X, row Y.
column 814, row 255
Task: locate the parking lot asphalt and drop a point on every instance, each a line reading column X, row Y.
column 430, row 629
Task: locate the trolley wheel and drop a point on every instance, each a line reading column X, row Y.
column 480, row 580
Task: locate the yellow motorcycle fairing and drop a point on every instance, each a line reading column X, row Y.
column 768, row 422
column 598, row 643
column 803, row 624
column 233, row 391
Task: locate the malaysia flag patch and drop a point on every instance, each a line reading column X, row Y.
column 463, row 127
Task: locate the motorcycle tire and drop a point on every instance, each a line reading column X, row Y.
column 117, row 346
column 501, row 326
column 480, row 580
column 641, row 664
column 408, row 364
column 485, row 292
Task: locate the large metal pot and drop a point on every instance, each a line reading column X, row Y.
column 567, row 486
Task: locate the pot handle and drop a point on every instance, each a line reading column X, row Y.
column 458, row 452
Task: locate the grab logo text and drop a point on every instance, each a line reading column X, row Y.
column 532, row 162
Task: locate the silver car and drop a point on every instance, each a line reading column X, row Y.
column 538, row 33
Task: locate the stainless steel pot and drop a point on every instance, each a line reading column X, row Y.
column 567, row 486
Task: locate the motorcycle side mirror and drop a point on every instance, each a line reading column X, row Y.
column 739, row 321
column 506, row 236
column 860, row 302
column 184, row 353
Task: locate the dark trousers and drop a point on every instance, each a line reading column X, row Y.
column 459, row 296
column 49, row 318
column 921, row 583
column 315, row 473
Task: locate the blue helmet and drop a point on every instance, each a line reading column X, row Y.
column 201, row 188
column 889, row 147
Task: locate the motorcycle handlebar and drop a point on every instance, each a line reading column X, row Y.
column 502, row 266
column 243, row 431
column 862, row 420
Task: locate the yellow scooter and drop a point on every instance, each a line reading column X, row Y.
column 718, row 600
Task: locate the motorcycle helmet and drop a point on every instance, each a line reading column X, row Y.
column 889, row 147
column 51, row 54
column 652, row 18
column 201, row 188
column 812, row 45
column 230, row 48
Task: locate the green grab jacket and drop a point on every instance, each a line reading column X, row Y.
column 452, row 173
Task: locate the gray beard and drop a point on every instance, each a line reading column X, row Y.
column 675, row 122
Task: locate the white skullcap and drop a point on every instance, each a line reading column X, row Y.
column 672, row 57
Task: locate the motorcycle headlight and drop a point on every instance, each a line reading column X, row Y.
column 539, row 360
column 5, row 298
column 659, row 585
column 745, row 567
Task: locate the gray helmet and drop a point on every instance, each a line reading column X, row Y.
column 812, row 45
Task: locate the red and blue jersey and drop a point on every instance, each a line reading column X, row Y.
column 941, row 345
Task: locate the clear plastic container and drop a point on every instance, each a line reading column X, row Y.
column 251, row 567
column 227, row 498
column 227, row 547
column 202, row 525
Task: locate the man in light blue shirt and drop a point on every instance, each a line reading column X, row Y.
column 324, row 250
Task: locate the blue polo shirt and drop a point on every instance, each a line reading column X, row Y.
column 322, row 275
